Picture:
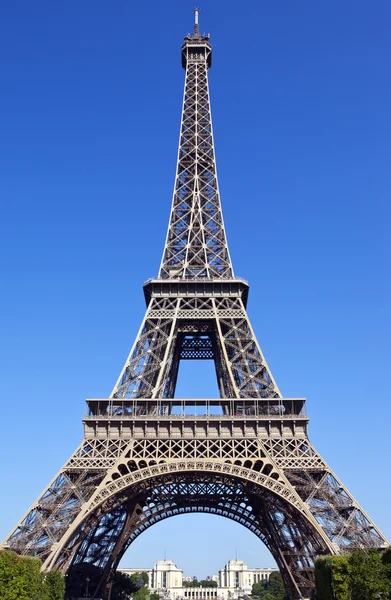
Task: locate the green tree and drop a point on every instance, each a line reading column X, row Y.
column 138, row 580
column 340, row 577
column 193, row 583
column 154, row 596
column 386, row 560
column 141, row 594
column 20, row 577
column 258, row 589
column 124, row 586
column 54, row 586
column 208, row 583
column 368, row 576
column 358, row 576
column 332, row 578
column 33, row 577
column 275, row 586
column 145, row 577
column 12, row 585
column 386, row 556
column 273, row 589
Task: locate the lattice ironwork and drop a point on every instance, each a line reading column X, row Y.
column 196, row 245
column 152, row 367
column 144, row 459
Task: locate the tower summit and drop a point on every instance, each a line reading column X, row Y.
column 147, row 455
column 196, row 45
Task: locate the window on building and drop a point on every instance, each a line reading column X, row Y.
column 164, row 579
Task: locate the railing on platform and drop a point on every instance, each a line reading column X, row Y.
column 195, row 408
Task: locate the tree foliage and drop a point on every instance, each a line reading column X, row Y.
column 368, row 576
column 141, row 594
column 193, row 583
column 386, row 560
column 55, row 585
column 134, row 586
column 258, row 590
column 273, row 589
column 357, row 576
column 332, row 578
column 125, row 587
column 208, row 583
column 21, row 579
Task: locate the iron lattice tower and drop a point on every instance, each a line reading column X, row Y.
column 145, row 456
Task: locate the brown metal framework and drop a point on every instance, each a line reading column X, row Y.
column 146, row 456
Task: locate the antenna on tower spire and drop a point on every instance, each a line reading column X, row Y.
column 196, row 28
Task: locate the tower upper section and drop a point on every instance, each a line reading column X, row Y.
column 196, row 44
column 196, row 245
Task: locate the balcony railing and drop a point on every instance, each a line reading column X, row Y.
column 195, row 408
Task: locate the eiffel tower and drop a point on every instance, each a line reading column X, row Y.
column 146, row 456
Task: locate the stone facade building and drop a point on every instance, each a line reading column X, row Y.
column 235, row 579
column 237, row 575
column 164, row 575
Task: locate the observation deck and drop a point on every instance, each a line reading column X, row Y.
column 190, row 288
column 196, row 45
column 195, row 418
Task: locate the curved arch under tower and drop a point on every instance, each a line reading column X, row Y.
column 267, row 509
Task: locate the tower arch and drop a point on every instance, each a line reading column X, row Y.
column 257, row 502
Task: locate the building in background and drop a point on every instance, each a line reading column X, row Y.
column 164, row 575
column 237, row 575
column 235, row 579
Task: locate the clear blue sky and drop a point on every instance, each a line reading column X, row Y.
column 89, row 118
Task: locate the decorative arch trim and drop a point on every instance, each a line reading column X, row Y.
column 273, row 482
column 110, row 488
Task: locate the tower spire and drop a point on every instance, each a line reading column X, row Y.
column 196, row 26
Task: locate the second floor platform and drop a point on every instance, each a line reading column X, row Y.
column 195, row 417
